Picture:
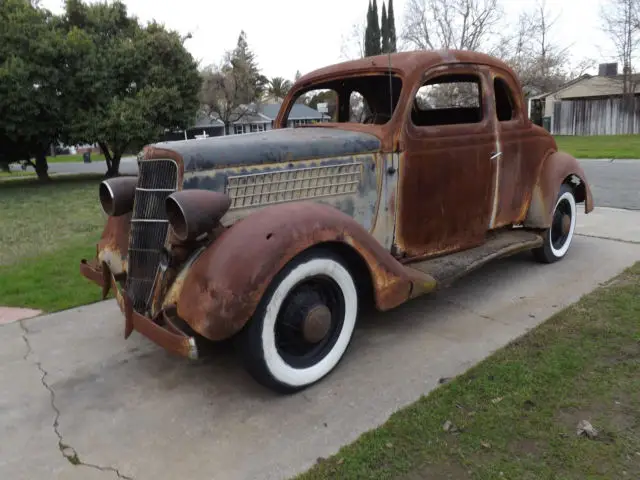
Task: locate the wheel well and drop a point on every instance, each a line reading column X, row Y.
column 356, row 266
column 579, row 191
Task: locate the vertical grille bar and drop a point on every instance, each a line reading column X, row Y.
column 157, row 180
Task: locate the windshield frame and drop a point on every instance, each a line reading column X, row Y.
column 302, row 87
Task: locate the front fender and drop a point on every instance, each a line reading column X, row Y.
column 557, row 168
column 114, row 243
column 224, row 285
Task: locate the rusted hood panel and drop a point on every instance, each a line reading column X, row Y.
column 273, row 146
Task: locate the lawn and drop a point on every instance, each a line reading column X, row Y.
column 44, row 231
column 605, row 146
column 95, row 157
column 514, row 416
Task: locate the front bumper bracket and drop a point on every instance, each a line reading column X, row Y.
column 160, row 330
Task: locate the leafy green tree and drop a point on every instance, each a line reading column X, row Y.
column 132, row 84
column 278, row 87
column 32, row 83
column 391, row 28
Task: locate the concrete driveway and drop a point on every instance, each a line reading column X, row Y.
column 80, row 402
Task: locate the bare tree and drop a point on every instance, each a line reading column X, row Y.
column 531, row 51
column 353, row 43
column 621, row 23
column 229, row 91
column 450, row 24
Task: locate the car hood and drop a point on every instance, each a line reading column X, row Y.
column 272, row 146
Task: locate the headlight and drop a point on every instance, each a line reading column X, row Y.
column 116, row 195
column 194, row 212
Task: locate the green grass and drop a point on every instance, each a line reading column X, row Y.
column 16, row 174
column 605, row 146
column 516, row 413
column 95, row 157
column 45, row 229
column 50, row 281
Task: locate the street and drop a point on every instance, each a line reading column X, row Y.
column 126, row 408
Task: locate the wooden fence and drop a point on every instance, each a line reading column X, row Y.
column 599, row 116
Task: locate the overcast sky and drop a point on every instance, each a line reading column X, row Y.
column 290, row 35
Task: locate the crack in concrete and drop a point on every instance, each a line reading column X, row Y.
column 67, row 451
column 631, row 242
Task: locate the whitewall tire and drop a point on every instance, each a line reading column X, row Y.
column 558, row 237
column 303, row 324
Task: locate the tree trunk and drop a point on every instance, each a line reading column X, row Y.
column 41, row 167
column 114, row 169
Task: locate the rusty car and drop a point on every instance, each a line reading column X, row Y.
column 424, row 167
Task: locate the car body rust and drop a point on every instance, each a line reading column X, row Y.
column 420, row 185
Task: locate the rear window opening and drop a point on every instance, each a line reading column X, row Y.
column 448, row 100
column 369, row 99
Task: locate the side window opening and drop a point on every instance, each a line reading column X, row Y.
column 448, row 100
column 505, row 106
column 358, row 108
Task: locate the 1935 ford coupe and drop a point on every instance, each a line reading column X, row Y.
column 424, row 167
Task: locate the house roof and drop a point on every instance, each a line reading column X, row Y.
column 562, row 87
column 205, row 121
column 299, row 111
column 599, row 86
column 590, row 86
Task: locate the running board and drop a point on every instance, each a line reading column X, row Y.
column 448, row 268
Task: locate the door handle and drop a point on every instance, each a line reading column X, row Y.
column 495, row 155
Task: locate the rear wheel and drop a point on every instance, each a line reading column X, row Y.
column 558, row 237
column 303, row 324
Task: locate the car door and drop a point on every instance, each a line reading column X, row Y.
column 521, row 152
column 448, row 164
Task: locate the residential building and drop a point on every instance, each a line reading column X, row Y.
column 590, row 105
column 250, row 119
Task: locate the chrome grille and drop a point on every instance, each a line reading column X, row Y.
column 157, row 179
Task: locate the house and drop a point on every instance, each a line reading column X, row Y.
column 590, row 105
column 203, row 127
column 249, row 119
column 263, row 117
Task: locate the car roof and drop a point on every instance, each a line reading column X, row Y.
column 405, row 63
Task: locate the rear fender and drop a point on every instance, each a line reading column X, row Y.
column 223, row 286
column 557, row 168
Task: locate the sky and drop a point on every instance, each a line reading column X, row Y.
column 291, row 35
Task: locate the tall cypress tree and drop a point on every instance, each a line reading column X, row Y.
column 384, row 28
column 391, row 28
column 367, row 33
column 375, row 31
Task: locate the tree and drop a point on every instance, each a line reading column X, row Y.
column 278, row 87
column 32, row 58
column 391, row 28
column 232, row 89
column 354, row 43
column 621, row 23
column 384, row 30
column 541, row 64
column 133, row 84
column 372, row 32
column 450, row 24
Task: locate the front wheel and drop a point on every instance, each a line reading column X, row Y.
column 303, row 324
column 557, row 238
